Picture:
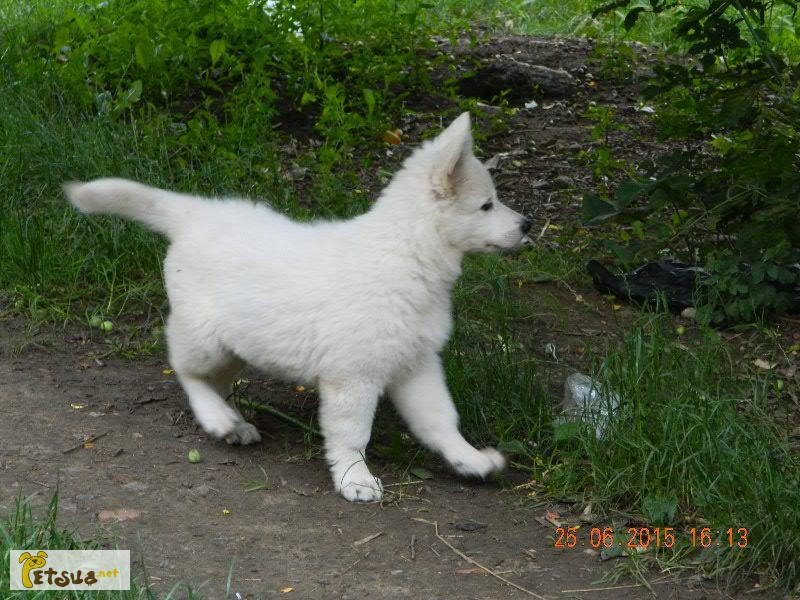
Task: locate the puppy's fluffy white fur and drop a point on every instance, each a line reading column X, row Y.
column 356, row 308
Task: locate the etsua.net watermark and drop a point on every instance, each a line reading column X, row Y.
column 70, row 569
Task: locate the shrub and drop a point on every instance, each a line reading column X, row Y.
column 736, row 209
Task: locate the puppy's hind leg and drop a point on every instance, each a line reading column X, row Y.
column 206, row 370
column 423, row 400
column 345, row 413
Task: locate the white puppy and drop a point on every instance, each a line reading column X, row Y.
column 355, row 308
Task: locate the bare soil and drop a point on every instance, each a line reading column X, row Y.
column 199, row 524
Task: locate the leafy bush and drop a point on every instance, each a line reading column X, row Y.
column 238, row 66
column 738, row 204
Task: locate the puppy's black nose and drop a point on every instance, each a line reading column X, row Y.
column 525, row 225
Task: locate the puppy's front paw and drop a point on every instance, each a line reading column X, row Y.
column 225, row 423
column 243, row 433
column 478, row 463
column 357, row 484
column 366, row 490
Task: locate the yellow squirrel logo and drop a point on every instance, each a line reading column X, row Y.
column 31, row 562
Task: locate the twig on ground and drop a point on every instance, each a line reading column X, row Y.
column 151, row 400
column 88, row 440
column 354, row 564
column 544, row 229
column 617, row 587
column 369, row 538
column 479, row 565
column 281, row 415
column 388, row 485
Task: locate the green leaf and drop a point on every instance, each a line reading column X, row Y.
column 421, row 473
column 609, row 7
column 132, row 95
column 566, row 432
column 144, row 53
column 758, row 272
column 217, row 50
column 512, row 447
column 660, row 511
column 632, row 17
column 596, row 210
column 628, row 191
column 307, row 98
column 369, row 98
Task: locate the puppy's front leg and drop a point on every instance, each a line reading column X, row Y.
column 346, row 413
column 422, row 398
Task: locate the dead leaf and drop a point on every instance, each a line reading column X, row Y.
column 763, row 364
column 118, row 515
column 421, row 473
column 286, row 590
column 587, row 516
column 553, row 518
column 469, row 525
column 530, row 553
column 392, row 136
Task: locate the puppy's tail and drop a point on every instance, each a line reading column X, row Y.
column 158, row 209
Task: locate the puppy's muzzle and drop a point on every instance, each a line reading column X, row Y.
column 525, row 227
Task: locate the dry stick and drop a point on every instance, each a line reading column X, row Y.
column 477, row 564
column 544, row 229
column 89, row 440
column 150, row 401
column 281, row 415
column 354, row 564
column 369, row 538
column 388, row 485
column 615, row 587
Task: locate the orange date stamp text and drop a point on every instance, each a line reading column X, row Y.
column 650, row 537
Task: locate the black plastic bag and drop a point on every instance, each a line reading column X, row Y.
column 676, row 282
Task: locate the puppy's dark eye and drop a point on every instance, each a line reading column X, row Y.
column 487, row 206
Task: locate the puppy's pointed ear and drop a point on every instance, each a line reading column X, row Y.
column 453, row 148
column 24, row 556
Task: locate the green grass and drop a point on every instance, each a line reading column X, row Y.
column 694, row 440
column 691, row 435
column 32, row 527
column 491, row 376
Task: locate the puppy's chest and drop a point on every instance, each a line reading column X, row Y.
column 428, row 327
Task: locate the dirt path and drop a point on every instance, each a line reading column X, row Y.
column 196, row 523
